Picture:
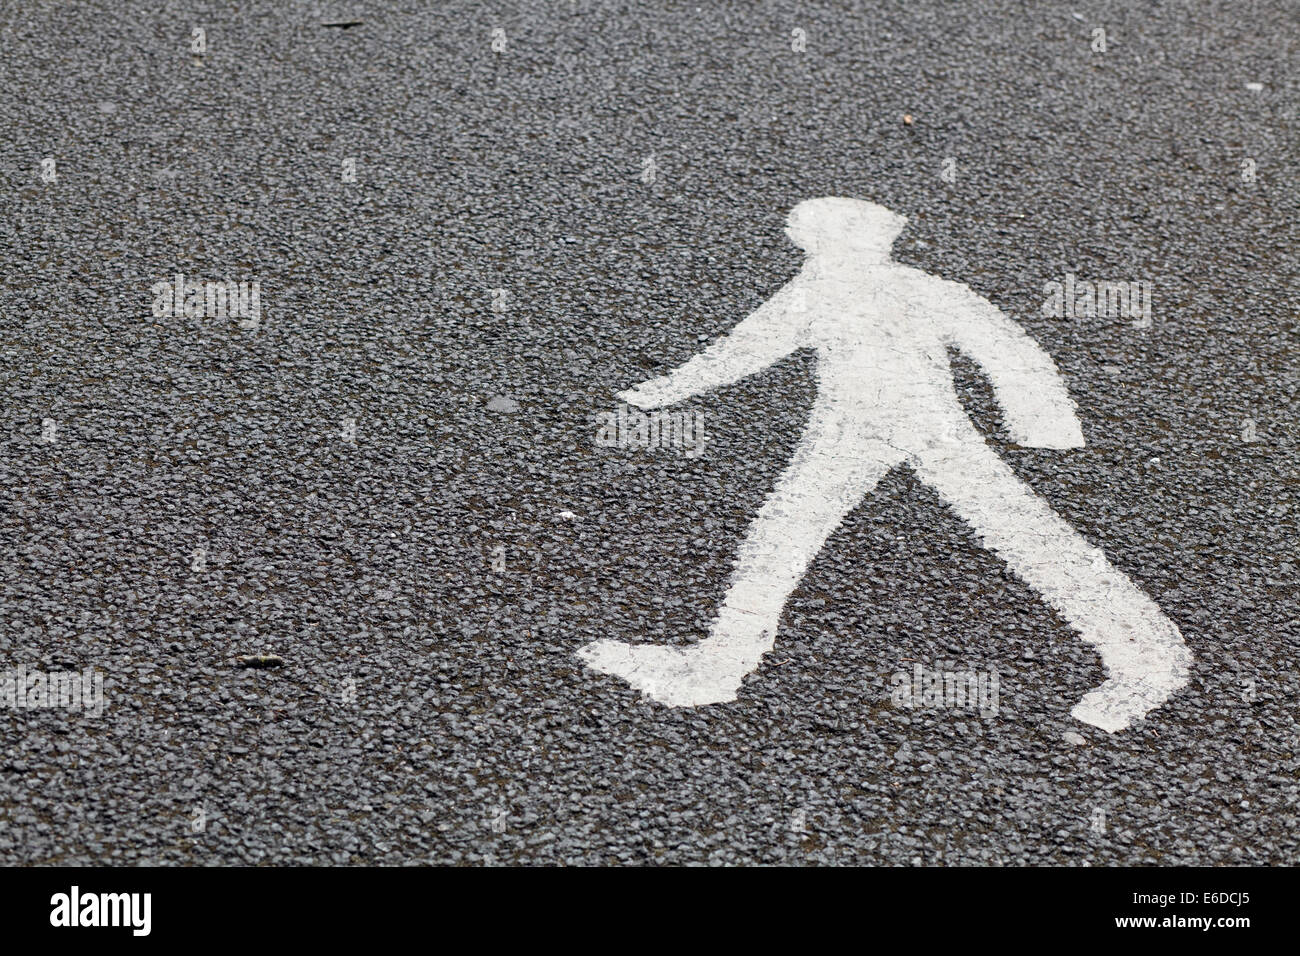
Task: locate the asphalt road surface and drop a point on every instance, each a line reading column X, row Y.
column 333, row 558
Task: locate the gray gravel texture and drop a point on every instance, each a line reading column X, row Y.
column 429, row 708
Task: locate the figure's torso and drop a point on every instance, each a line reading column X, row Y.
column 882, row 357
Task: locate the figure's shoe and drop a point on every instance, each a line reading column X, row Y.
column 679, row 677
column 1122, row 699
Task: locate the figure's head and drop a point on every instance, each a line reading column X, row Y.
column 834, row 224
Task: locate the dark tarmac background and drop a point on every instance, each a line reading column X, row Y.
column 429, row 707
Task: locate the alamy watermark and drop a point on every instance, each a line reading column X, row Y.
column 942, row 688
column 21, row 689
column 1076, row 298
column 214, row 300
column 630, row 427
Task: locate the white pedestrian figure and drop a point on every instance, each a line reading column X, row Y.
column 886, row 397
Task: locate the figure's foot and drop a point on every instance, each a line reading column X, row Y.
column 1114, row 705
column 678, row 677
column 1131, row 695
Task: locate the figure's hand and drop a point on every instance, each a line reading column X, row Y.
column 652, row 394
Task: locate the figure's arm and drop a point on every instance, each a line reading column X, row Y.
column 771, row 333
column 1037, row 407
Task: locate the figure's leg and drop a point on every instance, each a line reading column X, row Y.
column 1142, row 649
column 827, row 478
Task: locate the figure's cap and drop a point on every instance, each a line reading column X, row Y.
column 834, row 223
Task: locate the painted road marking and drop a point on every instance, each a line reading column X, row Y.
column 886, row 397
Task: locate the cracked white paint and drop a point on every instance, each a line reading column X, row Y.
column 886, row 397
